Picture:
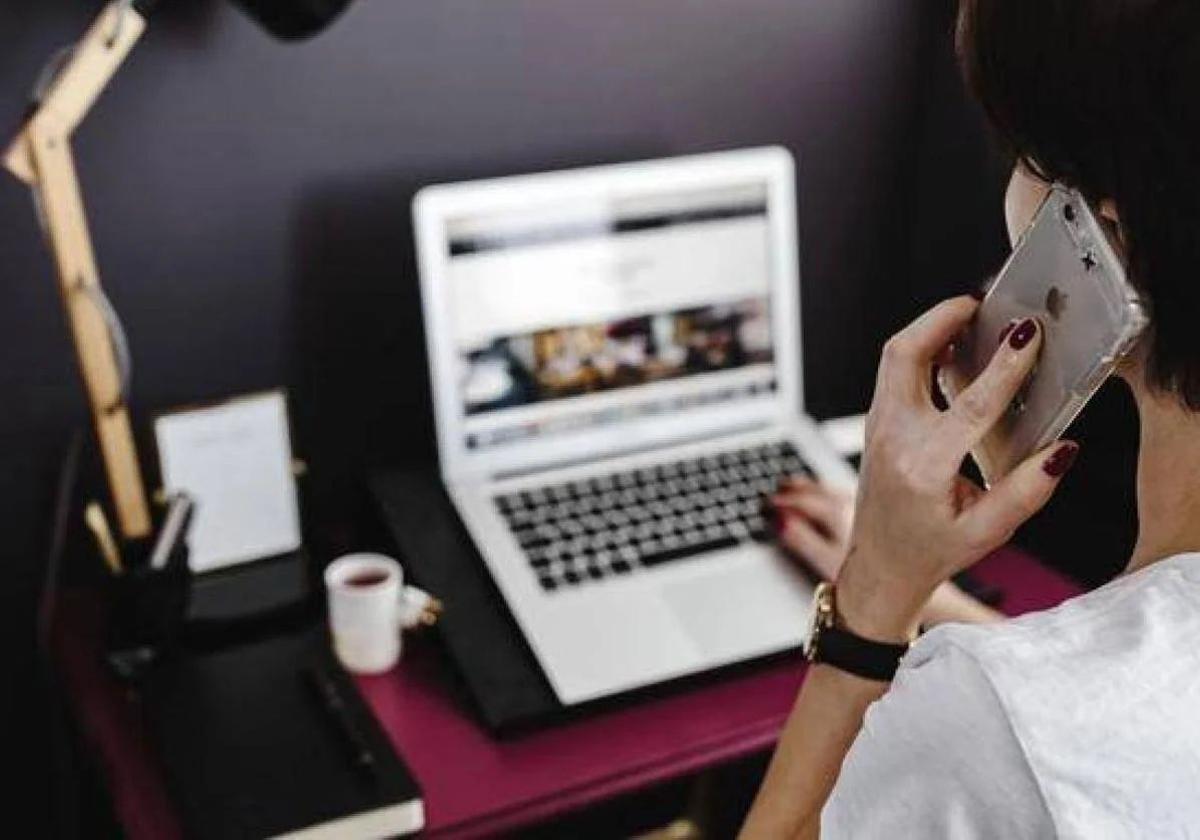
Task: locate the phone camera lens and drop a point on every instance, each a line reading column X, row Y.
column 1069, row 212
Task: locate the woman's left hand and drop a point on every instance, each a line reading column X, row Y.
column 814, row 520
column 813, row 523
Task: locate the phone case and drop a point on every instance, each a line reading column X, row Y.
column 1064, row 272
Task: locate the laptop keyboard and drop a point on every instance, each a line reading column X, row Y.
column 595, row 528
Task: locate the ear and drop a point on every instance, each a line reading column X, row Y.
column 1110, row 216
column 1108, row 210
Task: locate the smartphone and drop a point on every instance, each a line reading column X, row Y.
column 1065, row 272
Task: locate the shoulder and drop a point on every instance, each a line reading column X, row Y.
column 1085, row 712
column 936, row 757
column 1101, row 694
column 1098, row 645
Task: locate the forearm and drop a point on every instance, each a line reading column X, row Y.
column 819, row 731
column 823, row 724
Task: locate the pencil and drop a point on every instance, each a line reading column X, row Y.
column 98, row 524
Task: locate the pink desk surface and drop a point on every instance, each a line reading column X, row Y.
column 476, row 786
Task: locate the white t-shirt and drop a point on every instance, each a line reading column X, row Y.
column 1079, row 722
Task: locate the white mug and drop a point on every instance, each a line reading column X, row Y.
column 366, row 608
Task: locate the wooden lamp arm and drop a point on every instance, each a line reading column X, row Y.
column 41, row 157
column 93, row 63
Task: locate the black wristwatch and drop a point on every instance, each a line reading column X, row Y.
column 844, row 650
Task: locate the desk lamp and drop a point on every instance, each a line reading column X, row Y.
column 41, row 156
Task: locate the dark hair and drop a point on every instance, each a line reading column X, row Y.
column 1104, row 96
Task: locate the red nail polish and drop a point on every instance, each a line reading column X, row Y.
column 772, row 515
column 1023, row 334
column 1061, row 460
column 1004, row 332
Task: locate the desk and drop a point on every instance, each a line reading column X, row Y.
column 476, row 786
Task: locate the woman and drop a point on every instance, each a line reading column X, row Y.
column 1083, row 721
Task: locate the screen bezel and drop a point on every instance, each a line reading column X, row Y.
column 434, row 206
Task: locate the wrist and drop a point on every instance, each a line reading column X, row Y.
column 877, row 608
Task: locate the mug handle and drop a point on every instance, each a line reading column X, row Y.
column 416, row 608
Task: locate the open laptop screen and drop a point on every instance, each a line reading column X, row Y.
column 595, row 312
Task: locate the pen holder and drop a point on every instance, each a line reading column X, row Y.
column 149, row 608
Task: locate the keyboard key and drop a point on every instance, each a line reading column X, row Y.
column 759, row 530
column 716, row 532
column 539, row 558
column 664, row 554
column 529, row 539
column 617, row 518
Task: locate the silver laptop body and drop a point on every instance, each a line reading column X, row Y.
column 615, row 360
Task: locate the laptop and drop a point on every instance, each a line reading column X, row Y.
column 615, row 361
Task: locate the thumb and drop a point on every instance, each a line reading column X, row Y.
column 1019, row 495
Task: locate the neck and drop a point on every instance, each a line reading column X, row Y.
column 1168, row 490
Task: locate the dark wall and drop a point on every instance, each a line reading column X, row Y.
column 250, row 205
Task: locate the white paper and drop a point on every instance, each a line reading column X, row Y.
column 235, row 459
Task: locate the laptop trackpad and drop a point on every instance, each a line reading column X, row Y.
column 727, row 614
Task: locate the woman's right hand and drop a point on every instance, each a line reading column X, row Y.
column 917, row 521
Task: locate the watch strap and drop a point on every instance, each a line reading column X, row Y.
column 855, row 655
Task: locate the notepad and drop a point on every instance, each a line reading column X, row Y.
column 235, row 459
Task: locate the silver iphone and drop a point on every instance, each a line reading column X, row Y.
column 1065, row 272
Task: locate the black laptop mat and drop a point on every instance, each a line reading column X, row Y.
column 481, row 636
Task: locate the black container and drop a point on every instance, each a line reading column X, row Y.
column 148, row 609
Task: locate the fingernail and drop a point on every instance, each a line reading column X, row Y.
column 772, row 515
column 945, row 356
column 1061, row 460
column 778, row 523
column 1023, row 334
column 1004, row 332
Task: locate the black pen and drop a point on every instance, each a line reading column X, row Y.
column 329, row 697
